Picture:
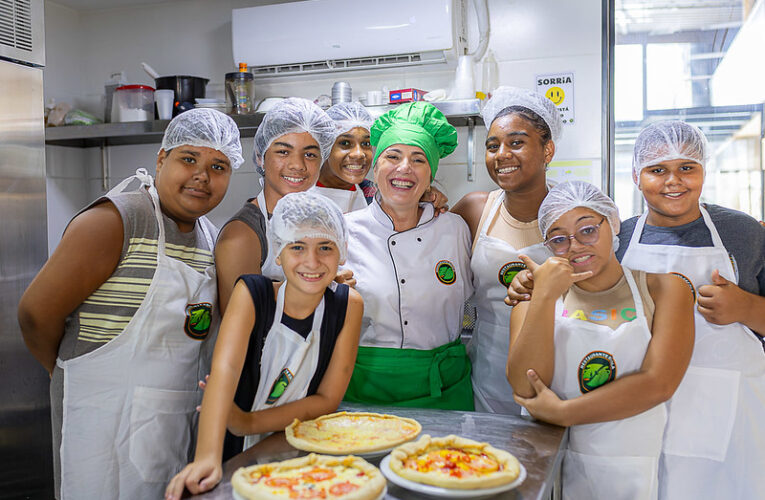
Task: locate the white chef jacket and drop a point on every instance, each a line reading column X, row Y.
column 406, row 303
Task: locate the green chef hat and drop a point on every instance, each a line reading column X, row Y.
column 415, row 124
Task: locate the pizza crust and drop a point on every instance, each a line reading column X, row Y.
column 509, row 467
column 370, row 490
column 315, row 435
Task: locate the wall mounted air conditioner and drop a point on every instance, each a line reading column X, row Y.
column 320, row 36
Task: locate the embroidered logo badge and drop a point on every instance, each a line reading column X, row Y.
column 198, row 320
column 508, row 271
column 280, row 385
column 596, row 369
column 445, row 272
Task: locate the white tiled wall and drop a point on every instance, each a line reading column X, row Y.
column 194, row 37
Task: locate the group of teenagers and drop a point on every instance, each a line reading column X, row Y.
column 327, row 287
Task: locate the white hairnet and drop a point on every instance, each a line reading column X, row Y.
column 349, row 115
column 569, row 195
column 504, row 97
column 294, row 115
column 668, row 140
column 307, row 215
column 205, row 127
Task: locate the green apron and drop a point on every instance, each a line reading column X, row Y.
column 438, row 378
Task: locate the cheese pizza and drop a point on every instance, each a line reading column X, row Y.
column 454, row 462
column 351, row 432
column 312, row 476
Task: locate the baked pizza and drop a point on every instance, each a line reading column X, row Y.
column 351, row 432
column 454, row 462
column 312, row 476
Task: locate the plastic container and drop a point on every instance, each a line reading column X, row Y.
column 489, row 74
column 240, row 91
column 133, row 103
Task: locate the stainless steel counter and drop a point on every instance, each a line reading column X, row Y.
column 538, row 446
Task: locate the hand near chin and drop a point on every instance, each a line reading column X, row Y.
column 555, row 277
column 722, row 302
column 545, row 405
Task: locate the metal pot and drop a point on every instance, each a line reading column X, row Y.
column 186, row 88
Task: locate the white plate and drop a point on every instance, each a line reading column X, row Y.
column 436, row 491
column 237, row 496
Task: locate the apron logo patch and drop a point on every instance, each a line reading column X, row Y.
column 198, row 320
column 687, row 282
column 508, row 271
column 596, row 369
column 280, row 385
column 445, row 272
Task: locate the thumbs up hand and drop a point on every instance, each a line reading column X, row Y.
column 722, row 302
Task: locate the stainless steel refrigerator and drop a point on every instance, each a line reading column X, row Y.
column 25, row 431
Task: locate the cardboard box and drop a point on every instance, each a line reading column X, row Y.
column 406, row 95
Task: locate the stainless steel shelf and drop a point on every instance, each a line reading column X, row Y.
column 460, row 113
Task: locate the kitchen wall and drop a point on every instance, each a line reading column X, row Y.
column 194, row 37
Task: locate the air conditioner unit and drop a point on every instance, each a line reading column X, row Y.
column 321, row 36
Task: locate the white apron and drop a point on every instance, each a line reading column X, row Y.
column 130, row 406
column 494, row 263
column 608, row 460
column 346, row 200
column 715, row 440
column 288, row 363
column 270, row 268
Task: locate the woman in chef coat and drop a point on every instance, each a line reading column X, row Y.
column 122, row 315
column 307, row 335
column 413, row 271
column 523, row 128
column 612, row 344
column 715, row 440
column 291, row 144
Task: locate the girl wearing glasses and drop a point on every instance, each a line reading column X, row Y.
column 599, row 347
column 523, row 128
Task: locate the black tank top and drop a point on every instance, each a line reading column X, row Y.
column 264, row 299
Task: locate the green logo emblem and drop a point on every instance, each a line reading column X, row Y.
column 198, row 320
column 596, row 369
column 280, row 385
column 445, row 272
column 508, row 272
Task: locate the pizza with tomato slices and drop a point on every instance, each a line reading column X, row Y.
column 346, row 433
column 312, row 476
column 454, row 462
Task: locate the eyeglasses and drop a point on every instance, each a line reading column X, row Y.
column 586, row 235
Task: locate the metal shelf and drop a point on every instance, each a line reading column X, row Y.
column 120, row 134
column 460, row 114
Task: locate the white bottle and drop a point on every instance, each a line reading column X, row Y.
column 489, row 74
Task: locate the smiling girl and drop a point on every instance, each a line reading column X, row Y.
column 300, row 336
column 607, row 378
column 523, row 129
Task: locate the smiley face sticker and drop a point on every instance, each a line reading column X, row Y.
column 556, row 95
